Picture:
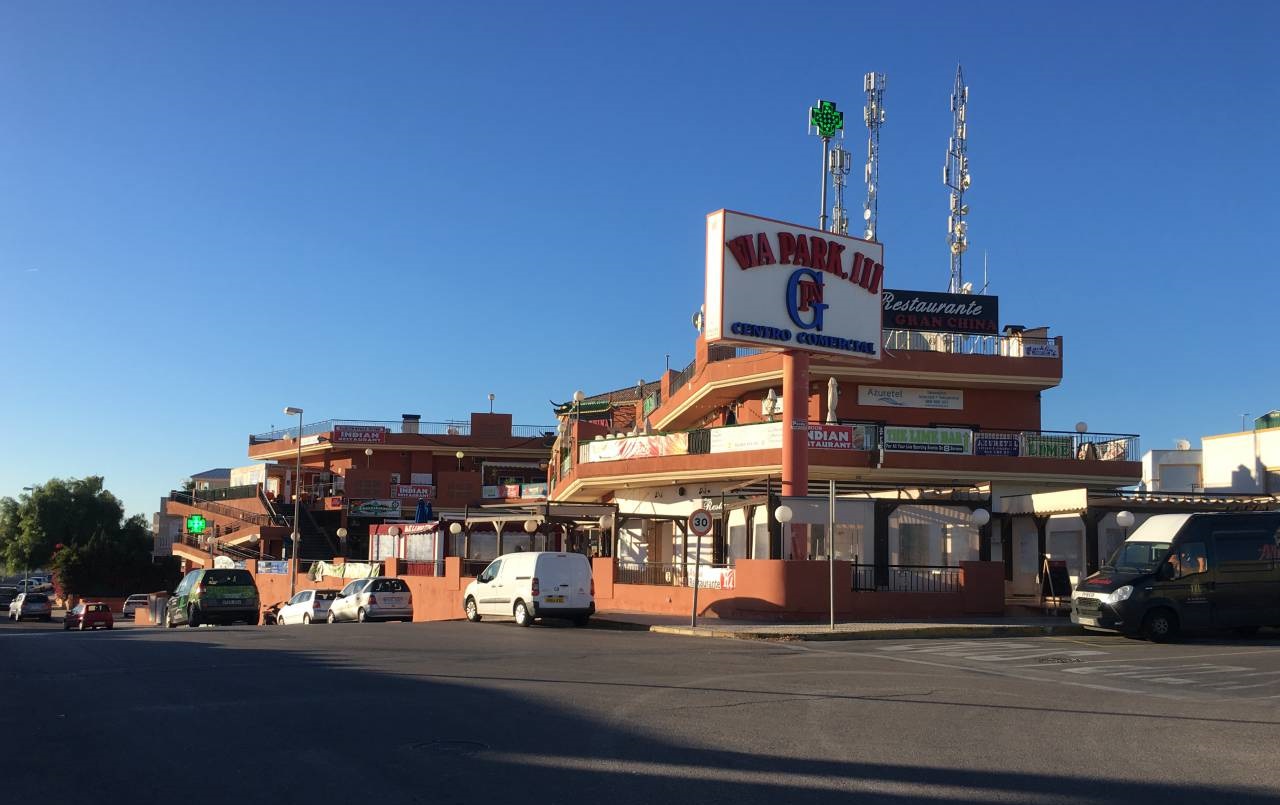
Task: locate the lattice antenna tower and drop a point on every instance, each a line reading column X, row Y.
column 839, row 165
column 873, row 116
column 955, row 175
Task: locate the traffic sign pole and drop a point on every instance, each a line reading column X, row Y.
column 699, row 525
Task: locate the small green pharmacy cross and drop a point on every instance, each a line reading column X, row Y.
column 195, row 524
column 826, row 119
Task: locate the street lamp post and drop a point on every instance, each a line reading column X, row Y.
column 368, row 457
column 297, row 500
column 783, row 515
column 1125, row 520
column 342, row 540
column 458, row 455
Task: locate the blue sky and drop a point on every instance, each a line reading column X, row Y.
column 211, row 211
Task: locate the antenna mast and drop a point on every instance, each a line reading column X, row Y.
column 839, row 163
column 955, row 175
column 873, row 115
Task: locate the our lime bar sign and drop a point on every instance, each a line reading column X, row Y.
column 928, row 440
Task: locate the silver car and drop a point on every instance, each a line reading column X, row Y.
column 30, row 605
column 133, row 603
column 378, row 599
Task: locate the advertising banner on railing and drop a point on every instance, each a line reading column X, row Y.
column 1040, row 349
column 899, row 397
column 1113, row 449
column 533, row 491
column 662, row 444
column 713, row 578
column 359, row 434
column 928, row 440
column 997, row 444
column 275, row 567
column 413, row 491
column 761, row 436
column 837, row 437
column 374, row 508
column 490, row 492
column 1042, row 446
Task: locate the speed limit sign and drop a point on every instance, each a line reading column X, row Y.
column 700, row 522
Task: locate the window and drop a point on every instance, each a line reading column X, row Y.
column 913, row 544
column 228, row 578
column 389, row 586
column 490, row 572
column 1244, row 550
column 1189, row 560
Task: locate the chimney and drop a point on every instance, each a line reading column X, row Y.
column 409, row 423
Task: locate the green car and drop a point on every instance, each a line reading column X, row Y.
column 214, row 596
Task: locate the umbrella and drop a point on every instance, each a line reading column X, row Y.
column 423, row 513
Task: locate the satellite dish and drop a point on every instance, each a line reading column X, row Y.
column 1182, row 444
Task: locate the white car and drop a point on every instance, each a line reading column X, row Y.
column 30, row 605
column 306, row 607
column 533, row 584
column 133, row 603
column 378, row 599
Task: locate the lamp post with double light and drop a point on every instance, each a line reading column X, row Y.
column 297, row 501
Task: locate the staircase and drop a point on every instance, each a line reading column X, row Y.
column 315, row 542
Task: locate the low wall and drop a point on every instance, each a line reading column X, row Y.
column 800, row 590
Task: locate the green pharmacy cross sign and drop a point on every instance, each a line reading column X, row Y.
column 196, row 524
column 826, row 119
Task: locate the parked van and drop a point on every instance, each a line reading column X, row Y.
column 533, row 584
column 1187, row 572
column 220, row 595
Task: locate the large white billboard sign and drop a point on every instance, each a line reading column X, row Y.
column 780, row 285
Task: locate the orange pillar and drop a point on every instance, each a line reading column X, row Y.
column 795, row 432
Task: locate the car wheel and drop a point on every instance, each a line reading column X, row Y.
column 1160, row 626
column 279, row 619
column 473, row 613
column 193, row 616
column 582, row 620
column 362, row 616
column 66, row 627
column 306, row 619
column 521, row 613
column 1245, row 631
column 331, row 618
column 110, row 626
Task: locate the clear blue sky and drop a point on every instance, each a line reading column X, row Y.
column 209, row 211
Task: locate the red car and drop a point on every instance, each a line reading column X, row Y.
column 89, row 615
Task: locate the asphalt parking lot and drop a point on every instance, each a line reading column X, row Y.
column 456, row 712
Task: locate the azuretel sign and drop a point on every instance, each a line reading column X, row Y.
column 781, row 285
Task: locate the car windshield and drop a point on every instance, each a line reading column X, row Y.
column 1138, row 557
column 96, row 608
column 37, row 599
column 326, row 595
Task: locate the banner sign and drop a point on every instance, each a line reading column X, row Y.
column 662, row 444
column 533, row 491
column 898, row 397
column 762, row 436
column 333, row 504
column 1040, row 446
column 837, row 437
column 374, row 508
column 359, row 434
column 928, row 440
column 996, row 444
column 413, row 491
column 941, row 312
column 1040, row 349
column 488, row 492
column 774, row 284
column 273, row 566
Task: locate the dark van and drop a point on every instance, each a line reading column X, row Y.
column 214, row 596
column 1187, row 572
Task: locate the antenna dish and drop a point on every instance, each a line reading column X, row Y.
column 1182, row 444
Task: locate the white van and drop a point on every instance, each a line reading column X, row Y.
column 533, row 584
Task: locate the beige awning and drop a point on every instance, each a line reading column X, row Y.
column 1066, row 501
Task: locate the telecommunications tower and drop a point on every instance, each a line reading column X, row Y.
column 873, row 115
column 839, row 164
column 955, row 175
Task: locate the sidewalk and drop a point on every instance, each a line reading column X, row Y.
column 1035, row 626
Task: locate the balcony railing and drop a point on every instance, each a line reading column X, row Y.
column 865, row 437
column 446, row 428
column 908, row 579
column 1009, row 346
column 670, row 574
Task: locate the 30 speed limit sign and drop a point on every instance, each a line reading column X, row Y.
column 700, row 522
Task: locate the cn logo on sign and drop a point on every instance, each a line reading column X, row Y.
column 700, row 523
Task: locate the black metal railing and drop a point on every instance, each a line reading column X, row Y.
column 667, row 574
column 218, row 508
column 699, row 441
column 446, row 428
column 908, row 579
column 229, row 493
column 682, row 377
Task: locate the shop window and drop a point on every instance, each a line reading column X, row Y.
column 737, row 543
column 913, row 544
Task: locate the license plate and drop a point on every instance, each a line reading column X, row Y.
column 554, row 599
column 392, row 601
column 233, row 600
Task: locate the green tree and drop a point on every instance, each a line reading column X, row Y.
column 79, row 527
